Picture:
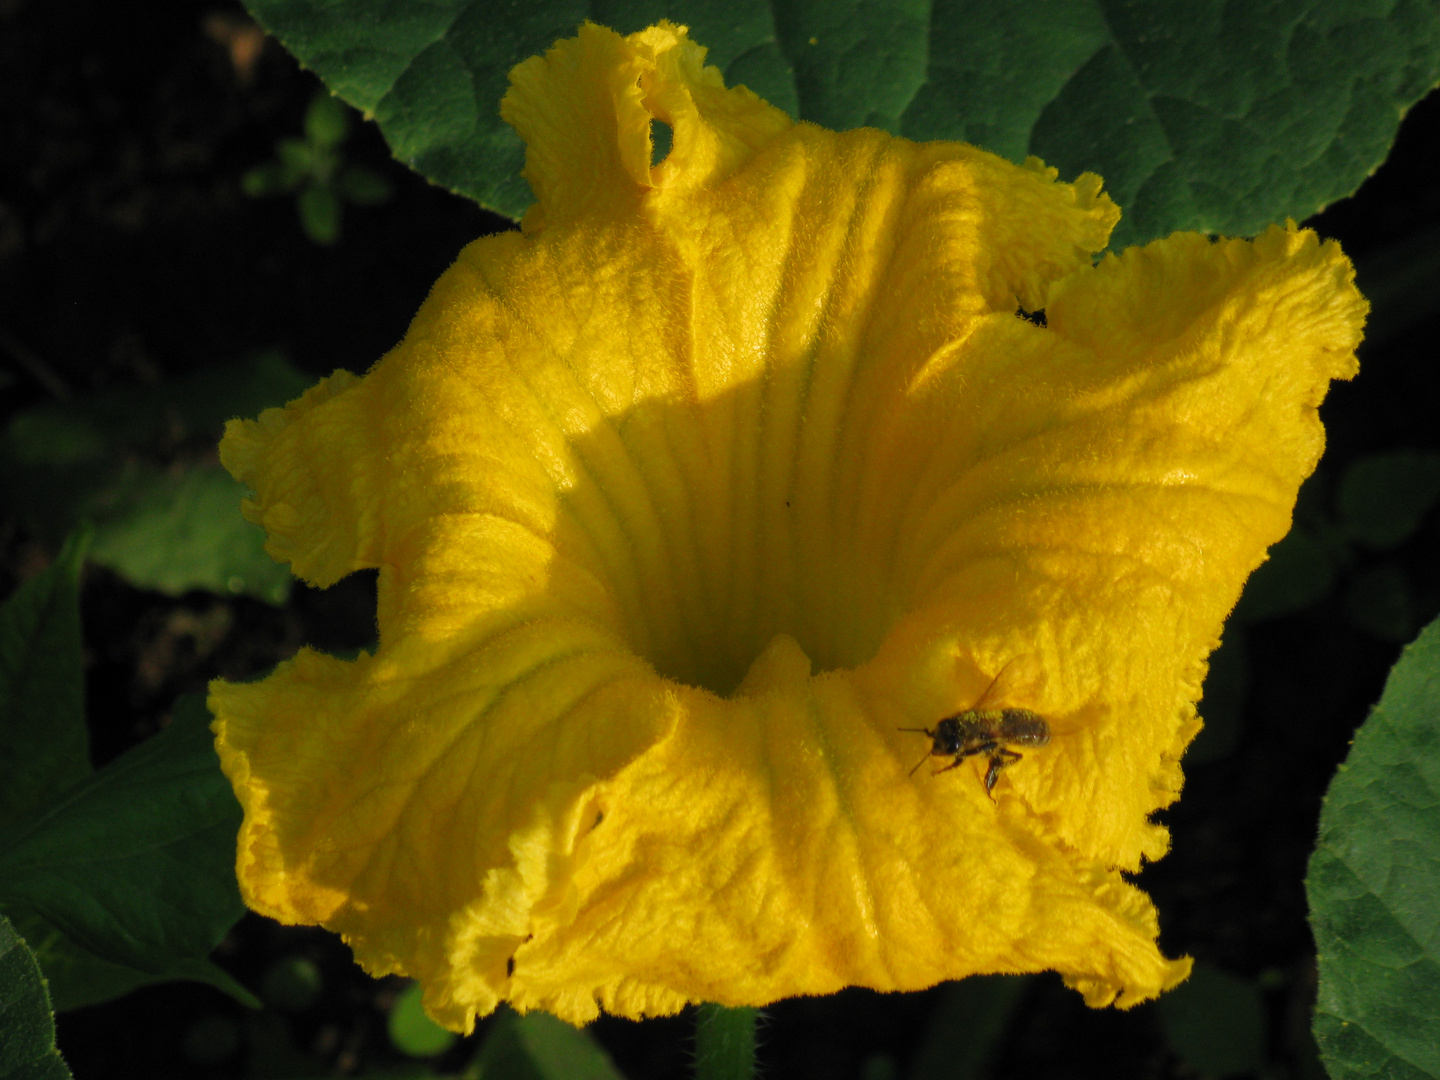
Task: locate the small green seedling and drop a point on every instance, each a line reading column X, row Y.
column 314, row 170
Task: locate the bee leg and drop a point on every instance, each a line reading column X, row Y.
column 969, row 751
column 999, row 758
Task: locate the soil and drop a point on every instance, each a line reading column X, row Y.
column 128, row 253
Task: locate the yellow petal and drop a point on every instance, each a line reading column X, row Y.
column 692, row 496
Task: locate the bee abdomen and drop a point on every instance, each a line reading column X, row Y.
column 1022, row 727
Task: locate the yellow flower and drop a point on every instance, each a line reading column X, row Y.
column 692, row 495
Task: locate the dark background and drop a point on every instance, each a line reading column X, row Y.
column 128, row 254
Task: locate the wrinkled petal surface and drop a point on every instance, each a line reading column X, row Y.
column 689, row 496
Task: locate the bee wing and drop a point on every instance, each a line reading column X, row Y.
column 989, row 696
column 1019, row 669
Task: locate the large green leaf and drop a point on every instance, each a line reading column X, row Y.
column 1216, row 116
column 27, row 1029
column 77, row 977
column 136, row 864
column 1374, row 882
column 44, row 752
column 44, row 746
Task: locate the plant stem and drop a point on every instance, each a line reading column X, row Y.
column 725, row 1043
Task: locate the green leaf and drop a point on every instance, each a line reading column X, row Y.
column 1382, row 498
column 136, row 864
column 1218, row 117
column 77, row 977
column 855, row 64
column 180, row 530
column 27, row 1028
column 1373, row 882
column 171, row 529
column 203, row 401
column 411, row 1031
column 297, row 159
column 327, row 121
column 538, row 1046
column 43, row 752
column 1227, row 117
column 1215, row 1022
column 92, row 430
column 44, row 745
column 267, row 178
column 319, row 209
column 662, row 138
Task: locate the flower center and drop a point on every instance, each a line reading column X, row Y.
column 713, row 530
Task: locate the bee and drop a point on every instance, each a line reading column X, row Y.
column 978, row 730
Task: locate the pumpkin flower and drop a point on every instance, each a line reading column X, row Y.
column 697, row 501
